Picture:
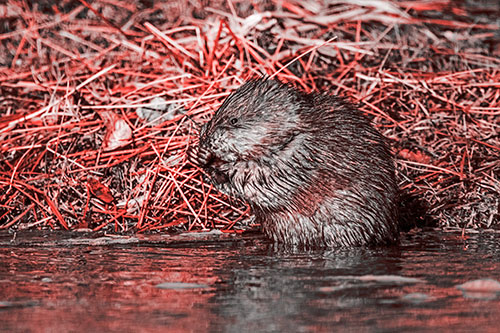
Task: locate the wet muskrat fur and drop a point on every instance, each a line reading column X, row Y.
column 312, row 168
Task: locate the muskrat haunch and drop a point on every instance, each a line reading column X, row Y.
column 311, row 166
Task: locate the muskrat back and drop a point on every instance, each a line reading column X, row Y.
column 312, row 168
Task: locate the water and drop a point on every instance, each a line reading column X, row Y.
column 66, row 282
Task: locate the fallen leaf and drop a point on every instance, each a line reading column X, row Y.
column 118, row 132
column 100, row 191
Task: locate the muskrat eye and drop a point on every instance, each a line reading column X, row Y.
column 233, row 121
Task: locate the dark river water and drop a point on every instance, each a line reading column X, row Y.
column 73, row 282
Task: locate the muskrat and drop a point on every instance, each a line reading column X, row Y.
column 310, row 165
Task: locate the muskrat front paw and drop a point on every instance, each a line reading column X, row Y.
column 192, row 154
column 205, row 158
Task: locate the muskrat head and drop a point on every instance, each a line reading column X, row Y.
column 255, row 122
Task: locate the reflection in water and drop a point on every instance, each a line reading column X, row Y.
column 243, row 284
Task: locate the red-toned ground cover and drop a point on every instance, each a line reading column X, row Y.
column 82, row 84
